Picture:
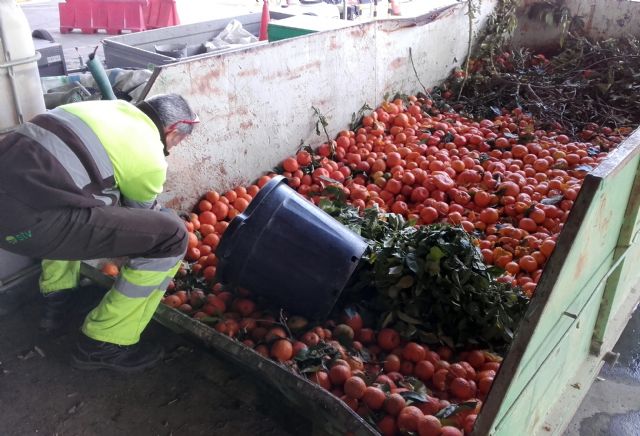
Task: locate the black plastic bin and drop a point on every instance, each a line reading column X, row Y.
column 286, row 248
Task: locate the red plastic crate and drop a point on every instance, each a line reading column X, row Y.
column 113, row 16
column 122, row 14
column 162, row 13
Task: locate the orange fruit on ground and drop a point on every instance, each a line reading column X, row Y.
column 457, row 370
column 193, row 240
column 282, row 350
column 207, row 217
column 451, row 431
column 275, row 333
column 424, row 370
column 231, row 196
column 547, row 247
column 221, row 226
column 211, row 239
column 310, row 338
column 468, row 423
column 413, row 352
column 351, row 402
column 240, row 204
column 290, row 164
column 209, row 272
column 354, row 387
column 406, row 368
column 373, row 397
column 429, row 425
column 388, row 339
column 339, row 374
column 245, row 306
column 193, row 254
column 484, row 385
column 204, row 205
column 409, row 418
column 172, row 301
column 220, row 209
column 392, row 363
column 476, row 358
column 207, row 229
column 394, row 404
column 321, row 378
column 387, row 426
column 218, row 300
column 461, row 388
column 110, row 269
column 212, row 196
column 263, row 350
column 353, row 320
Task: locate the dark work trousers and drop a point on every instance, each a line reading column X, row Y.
column 154, row 241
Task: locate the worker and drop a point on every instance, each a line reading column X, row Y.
column 81, row 182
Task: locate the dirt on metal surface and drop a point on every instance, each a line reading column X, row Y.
column 191, row 392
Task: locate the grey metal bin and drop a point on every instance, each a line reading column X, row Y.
column 137, row 50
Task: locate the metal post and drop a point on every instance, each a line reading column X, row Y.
column 14, row 90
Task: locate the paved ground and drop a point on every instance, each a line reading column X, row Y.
column 191, row 392
column 612, row 406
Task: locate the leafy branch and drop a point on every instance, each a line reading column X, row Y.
column 321, row 122
column 429, row 282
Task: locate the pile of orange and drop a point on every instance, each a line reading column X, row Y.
column 507, row 182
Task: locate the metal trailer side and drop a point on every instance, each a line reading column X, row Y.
column 256, row 108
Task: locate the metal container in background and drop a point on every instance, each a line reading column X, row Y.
column 20, row 91
column 144, row 49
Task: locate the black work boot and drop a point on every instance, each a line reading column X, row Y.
column 91, row 354
column 55, row 310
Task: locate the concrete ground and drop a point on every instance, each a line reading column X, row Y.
column 612, row 405
column 190, row 392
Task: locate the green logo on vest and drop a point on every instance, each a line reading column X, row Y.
column 22, row 236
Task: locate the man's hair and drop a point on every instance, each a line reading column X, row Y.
column 172, row 108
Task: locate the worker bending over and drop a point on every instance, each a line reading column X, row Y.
column 80, row 182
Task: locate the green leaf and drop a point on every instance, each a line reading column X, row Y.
column 552, row 200
column 387, row 319
column 330, row 180
column 408, row 319
column 453, row 409
column 414, row 397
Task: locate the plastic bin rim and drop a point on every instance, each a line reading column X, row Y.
column 235, row 223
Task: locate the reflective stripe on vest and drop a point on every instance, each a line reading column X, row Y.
column 88, row 138
column 58, row 149
column 93, row 144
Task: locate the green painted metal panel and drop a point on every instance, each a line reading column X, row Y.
column 527, row 413
column 625, row 275
column 537, row 353
column 576, row 279
column 548, row 348
column 277, row 33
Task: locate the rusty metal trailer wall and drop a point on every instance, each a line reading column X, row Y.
column 255, row 104
column 602, row 19
column 256, row 108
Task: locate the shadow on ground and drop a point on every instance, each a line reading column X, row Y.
column 192, row 392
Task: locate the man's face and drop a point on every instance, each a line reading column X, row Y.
column 173, row 138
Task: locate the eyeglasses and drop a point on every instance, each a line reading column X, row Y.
column 196, row 120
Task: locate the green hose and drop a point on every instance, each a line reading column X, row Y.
column 100, row 76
